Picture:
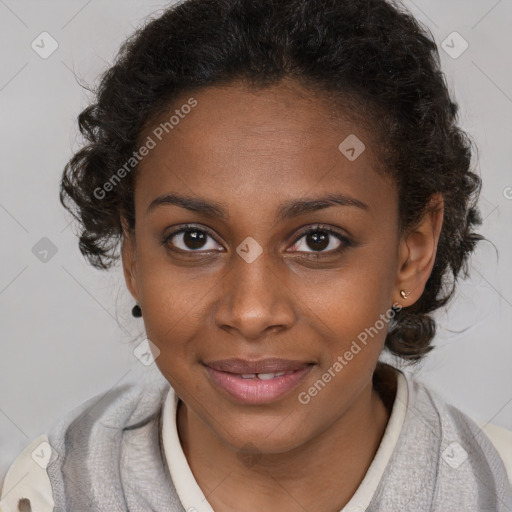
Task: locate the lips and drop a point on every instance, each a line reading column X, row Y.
column 257, row 388
column 260, row 366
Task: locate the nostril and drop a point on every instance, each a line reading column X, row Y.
column 24, row 505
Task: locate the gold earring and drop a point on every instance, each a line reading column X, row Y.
column 404, row 295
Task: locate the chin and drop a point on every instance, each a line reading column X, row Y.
column 263, row 434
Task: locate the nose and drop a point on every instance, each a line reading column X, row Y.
column 255, row 300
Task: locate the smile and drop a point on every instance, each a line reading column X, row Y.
column 257, row 388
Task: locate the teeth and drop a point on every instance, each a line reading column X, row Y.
column 263, row 376
column 266, row 376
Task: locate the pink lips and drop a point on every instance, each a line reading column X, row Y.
column 227, row 374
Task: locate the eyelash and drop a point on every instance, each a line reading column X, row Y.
column 315, row 254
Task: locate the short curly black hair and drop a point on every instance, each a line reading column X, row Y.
column 370, row 56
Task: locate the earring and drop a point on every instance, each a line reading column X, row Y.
column 136, row 311
column 404, row 295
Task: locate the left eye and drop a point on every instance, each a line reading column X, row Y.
column 320, row 240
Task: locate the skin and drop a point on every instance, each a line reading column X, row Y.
column 252, row 151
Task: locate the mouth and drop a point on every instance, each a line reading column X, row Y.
column 257, row 382
column 259, row 366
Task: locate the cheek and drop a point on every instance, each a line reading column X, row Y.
column 174, row 304
column 173, row 311
column 352, row 312
column 169, row 291
column 352, row 298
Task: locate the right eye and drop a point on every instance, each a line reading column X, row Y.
column 190, row 239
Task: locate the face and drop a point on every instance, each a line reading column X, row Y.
column 249, row 259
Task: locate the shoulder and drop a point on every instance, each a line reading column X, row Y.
column 27, row 479
column 489, row 438
column 443, row 458
column 501, row 439
column 465, row 451
column 88, row 432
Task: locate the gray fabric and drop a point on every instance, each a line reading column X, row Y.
column 418, row 478
column 110, row 453
column 110, row 457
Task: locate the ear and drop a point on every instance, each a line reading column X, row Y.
column 417, row 254
column 129, row 259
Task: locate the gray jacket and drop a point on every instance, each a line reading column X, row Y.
column 107, row 455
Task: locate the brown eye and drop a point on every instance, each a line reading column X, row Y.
column 317, row 240
column 194, row 239
column 190, row 239
column 321, row 240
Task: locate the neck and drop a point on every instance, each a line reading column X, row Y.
column 313, row 476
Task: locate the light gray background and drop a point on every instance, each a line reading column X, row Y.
column 67, row 332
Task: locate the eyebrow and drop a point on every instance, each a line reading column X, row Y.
column 290, row 209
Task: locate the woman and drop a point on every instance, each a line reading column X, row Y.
column 292, row 196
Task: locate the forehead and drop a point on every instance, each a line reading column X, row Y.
column 280, row 141
column 280, row 115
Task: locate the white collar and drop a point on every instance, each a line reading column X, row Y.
column 192, row 497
